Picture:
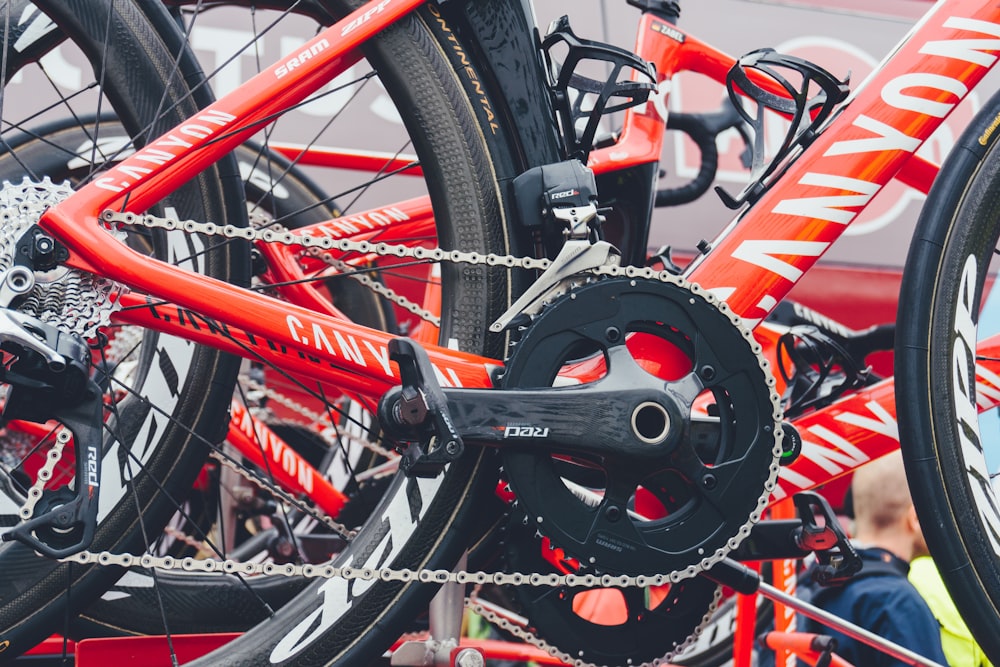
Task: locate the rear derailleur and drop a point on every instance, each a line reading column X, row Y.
column 48, row 373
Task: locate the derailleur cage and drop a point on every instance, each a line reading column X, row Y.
column 50, row 379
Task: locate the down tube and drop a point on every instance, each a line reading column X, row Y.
column 760, row 257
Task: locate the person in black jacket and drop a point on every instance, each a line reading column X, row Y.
column 880, row 598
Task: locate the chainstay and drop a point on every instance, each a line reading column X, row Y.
column 114, row 219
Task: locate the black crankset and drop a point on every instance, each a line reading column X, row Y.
column 693, row 417
column 657, row 453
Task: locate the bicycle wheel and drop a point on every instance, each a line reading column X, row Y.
column 337, row 621
column 163, row 397
column 464, row 161
column 275, row 191
column 949, row 450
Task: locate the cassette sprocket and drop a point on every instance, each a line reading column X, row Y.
column 71, row 300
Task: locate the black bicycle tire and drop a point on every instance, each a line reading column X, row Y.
column 473, row 196
column 958, row 221
column 412, row 56
column 33, row 592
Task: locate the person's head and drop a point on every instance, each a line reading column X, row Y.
column 884, row 515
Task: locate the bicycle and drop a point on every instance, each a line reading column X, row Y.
column 288, row 339
column 469, row 231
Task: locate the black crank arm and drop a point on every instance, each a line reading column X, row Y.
column 416, row 415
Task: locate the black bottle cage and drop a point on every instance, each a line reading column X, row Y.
column 807, row 114
column 571, row 90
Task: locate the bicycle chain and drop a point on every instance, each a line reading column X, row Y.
column 315, row 418
column 115, row 220
column 189, row 564
column 263, row 484
column 52, row 457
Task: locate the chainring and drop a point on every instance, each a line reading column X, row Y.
column 607, row 626
column 713, row 428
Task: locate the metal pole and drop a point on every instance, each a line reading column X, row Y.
column 445, row 616
column 849, row 629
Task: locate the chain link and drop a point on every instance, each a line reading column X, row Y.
column 259, row 221
column 404, row 575
column 53, row 457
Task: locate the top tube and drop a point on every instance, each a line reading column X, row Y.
column 764, row 252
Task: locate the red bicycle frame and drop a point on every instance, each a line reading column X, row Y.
column 757, row 260
column 752, row 265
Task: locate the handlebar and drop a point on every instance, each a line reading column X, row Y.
column 703, row 128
